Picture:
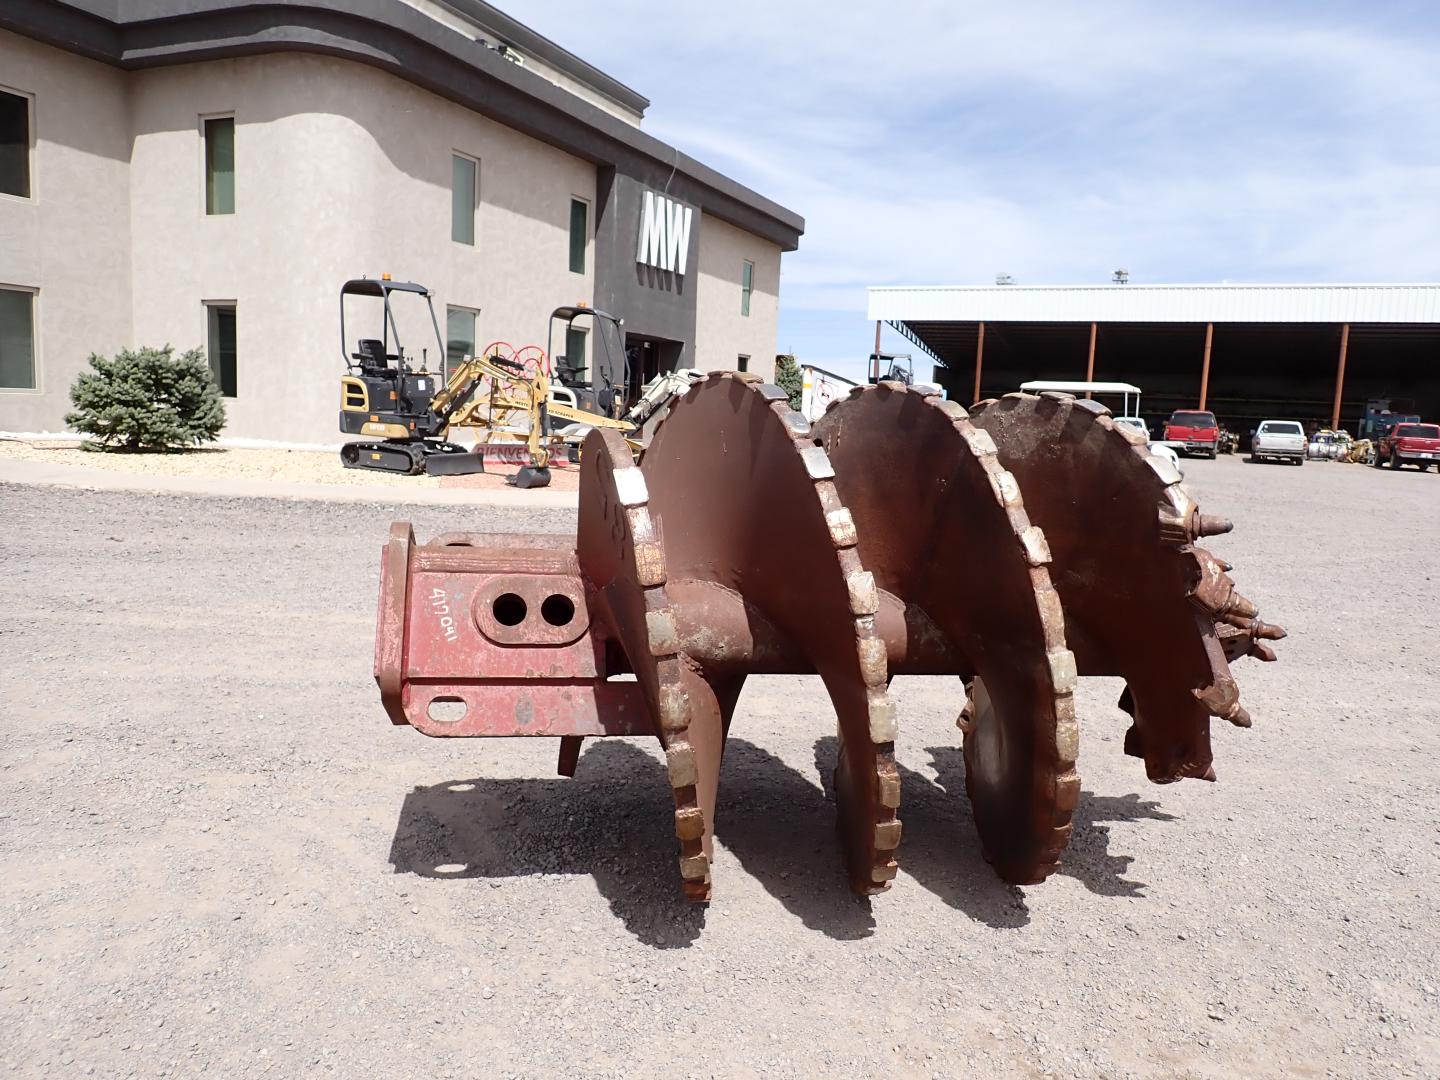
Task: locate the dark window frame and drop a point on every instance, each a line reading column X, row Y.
column 579, row 244
column 747, row 286
column 470, row 234
column 32, row 295
column 229, row 387
column 27, row 156
column 460, row 309
column 215, row 204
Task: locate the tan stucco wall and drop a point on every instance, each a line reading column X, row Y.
column 70, row 240
column 341, row 171
column 722, row 334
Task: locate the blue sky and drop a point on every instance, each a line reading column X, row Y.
column 933, row 142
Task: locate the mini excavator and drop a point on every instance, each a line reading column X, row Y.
column 412, row 409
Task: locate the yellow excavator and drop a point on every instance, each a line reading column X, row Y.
column 412, row 409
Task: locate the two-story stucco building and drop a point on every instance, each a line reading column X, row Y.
column 208, row 172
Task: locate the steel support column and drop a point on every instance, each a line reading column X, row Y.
column 979, row 362
column 1205, row 370
column 875, row 356
column 1340, row 376
column 1090, row 363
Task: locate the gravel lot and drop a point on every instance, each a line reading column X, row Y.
column 217, row 857
column 269, row 465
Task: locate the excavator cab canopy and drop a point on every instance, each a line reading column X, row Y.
column 609, row 343
column 375, row 354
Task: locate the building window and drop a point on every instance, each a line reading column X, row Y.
column 579, row 234
column 742, row 363
column 747, row 282
column 575, row 360
column 222, row 347
column 17, row 339
column 14, row 145
column 459, row 337
column 464, row 191
column 220, row 165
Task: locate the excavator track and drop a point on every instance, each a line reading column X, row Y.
column 1014, row 547
column 403, row 458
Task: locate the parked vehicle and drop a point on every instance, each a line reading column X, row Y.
column 1409, row 444
column 1136, row 423
column 1161, row 450
column 1194, row 430
column 1228, row 442
column 1108, row 392
column 819, row 388
column 1327, row 445
column 1380, row 418
column 1279, row 440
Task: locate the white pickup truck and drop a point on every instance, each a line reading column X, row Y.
column 1278, row 440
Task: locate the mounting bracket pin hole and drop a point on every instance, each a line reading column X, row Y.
column 509, row 609
column 557, row 610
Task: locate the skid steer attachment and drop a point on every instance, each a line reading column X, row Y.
column 899, row 536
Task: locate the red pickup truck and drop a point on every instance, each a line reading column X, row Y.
column 1409, row 444
column 1193, row 431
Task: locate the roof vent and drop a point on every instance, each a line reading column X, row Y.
column 1004, row 279
column 1122, row 277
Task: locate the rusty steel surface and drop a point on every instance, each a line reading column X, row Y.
column 1014, row 548
column 941, row 526
column 1122, row 533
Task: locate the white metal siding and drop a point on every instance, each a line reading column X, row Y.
column 1159, row 303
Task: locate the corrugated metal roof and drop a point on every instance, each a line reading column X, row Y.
column 1157, row 303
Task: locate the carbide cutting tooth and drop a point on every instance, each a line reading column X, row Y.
column 1242, row 607
column 1227, row 567
column 966, row 720
column 1240, row 718
column 1209, row 525
column 1262, row 651
column 1268, row 631
column 1209, row 774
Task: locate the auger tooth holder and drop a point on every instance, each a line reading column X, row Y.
column 901, row 535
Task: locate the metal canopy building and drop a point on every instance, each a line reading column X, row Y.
column 1316, row 353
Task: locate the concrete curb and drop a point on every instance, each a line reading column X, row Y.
column 45, row 474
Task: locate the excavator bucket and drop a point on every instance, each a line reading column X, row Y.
column 900, row 535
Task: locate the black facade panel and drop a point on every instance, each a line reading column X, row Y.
column 655, row 304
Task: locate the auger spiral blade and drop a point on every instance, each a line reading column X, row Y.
column 1141, row 600
column 942, row 527
column 754, row 535
column 620, row 554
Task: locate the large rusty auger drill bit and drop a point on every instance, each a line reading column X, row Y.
column 891, row 539
column 1141, row 600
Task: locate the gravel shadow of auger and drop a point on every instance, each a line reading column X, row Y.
column 1017, row 546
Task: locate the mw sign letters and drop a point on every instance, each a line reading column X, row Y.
column 664, row 234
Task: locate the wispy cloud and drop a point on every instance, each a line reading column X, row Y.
column 929, row 141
